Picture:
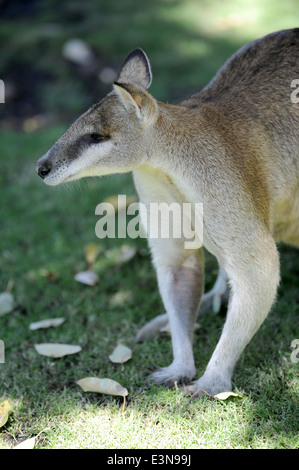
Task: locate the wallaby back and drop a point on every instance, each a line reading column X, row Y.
column 260, row 70
column 248, row 104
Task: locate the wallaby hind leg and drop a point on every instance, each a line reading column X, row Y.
column 253, row 290
column 180, row 279
column 212, row 300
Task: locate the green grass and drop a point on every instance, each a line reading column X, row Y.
column 44, row 230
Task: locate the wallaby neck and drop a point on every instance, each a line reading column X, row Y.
column 175, row 141
column 176, row 162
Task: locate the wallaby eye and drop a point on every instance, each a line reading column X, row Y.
column 96, row 138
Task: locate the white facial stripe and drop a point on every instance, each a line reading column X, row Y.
column 84, row 165
column 91, row 155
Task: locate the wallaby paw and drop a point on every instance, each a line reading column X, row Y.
column 172, row 375
column 208, row 385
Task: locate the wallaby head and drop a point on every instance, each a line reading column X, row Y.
column 111, row 136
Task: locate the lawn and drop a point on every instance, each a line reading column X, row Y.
column 45, row 232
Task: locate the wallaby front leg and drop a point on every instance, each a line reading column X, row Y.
column 253, row 291
column 181, row 280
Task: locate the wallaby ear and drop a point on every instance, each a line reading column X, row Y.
column 127, row 99
column 140, row 102
column 136, row 70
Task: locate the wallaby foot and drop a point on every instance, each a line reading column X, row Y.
column 175, row 373
column 209, row 384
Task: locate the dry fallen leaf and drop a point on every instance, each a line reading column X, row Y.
column 107, row 386
column 225, row 395
column 120, row 297
column 42, row 272
column 57, row 349
column 5, row 411
column 91, row 252
column 89, row 278
column 119, row 204
column 126, row 253
column 46, row 323
column 27, row 444
column 7, row 303
column 120, row 354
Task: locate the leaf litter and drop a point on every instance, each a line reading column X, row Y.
column 120, row 204
column 7, row 303
column 27, row 444
column 30, row 442
column 120, row 354
column 5, row 410
column 57, row 350
column 50, row 322
column 91, row 252
column 90, row 278
column 103, row 385
column 226, row 395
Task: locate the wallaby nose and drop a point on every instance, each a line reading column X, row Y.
column 44, row 169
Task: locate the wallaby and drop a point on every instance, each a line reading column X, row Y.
column 234, row 146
